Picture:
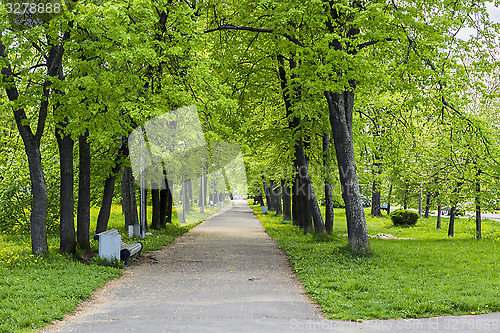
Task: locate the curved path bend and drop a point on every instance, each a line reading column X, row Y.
column 227, row 275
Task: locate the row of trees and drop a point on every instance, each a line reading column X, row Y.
column 393, row 75
column 89, row 76
column 300, row 85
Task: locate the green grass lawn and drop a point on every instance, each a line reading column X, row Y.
column 35, row 291
column 429, row 275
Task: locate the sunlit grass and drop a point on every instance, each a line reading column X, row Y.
column 429, row 275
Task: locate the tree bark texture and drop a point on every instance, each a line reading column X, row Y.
column 83, row 214
column 165, row 204
column 129, row 200
column 453, row 210
column 155, row 219
column 38, row 217
column 296, row 220
column 107, row 199
column 301, row 205
column 269, row 202
column 312, row 202
column 375, row 210
column 67, row 220
column 427, row 205
column 287, row 200
column 276, row 195
column 168, row 201
column 340, row 107
column 376, row 186
column 451, row 226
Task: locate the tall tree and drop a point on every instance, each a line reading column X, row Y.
column 53, row 60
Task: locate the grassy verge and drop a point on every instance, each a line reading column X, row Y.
column 35, row 291
column 429, row 275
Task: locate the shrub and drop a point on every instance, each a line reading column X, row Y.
column 404, row 218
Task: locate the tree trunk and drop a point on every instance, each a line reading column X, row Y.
column 307, row 202
column 165, row 202
column 296, row 219
column 303, row 209
column 83, row 215
column 375, row 211
column 438, row 223
column 268, row 196
column 107, row 200
column 163, row 207
column 329, row 212
column 376, row 186
column 107, row 195
column 276, row 197
column 451, row 226
column 287, row 201
column 427, row 205
column 38, row 217
column 67, row 220
column 312, row 202
column 169, row 200
column 300, row 208
column 129, row 201
column 340, row 113
column 155, row 220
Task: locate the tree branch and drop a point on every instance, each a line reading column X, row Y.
column 237, row 27
column 373, row 42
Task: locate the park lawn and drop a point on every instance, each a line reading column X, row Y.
column 36, row 290
column 429, row 275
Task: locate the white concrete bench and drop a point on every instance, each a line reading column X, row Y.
column 112, row 247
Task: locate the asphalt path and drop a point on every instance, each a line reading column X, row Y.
column 227, row 275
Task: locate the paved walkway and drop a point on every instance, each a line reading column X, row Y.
column 227, row 275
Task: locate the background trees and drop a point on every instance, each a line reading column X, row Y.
column 329, row 92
